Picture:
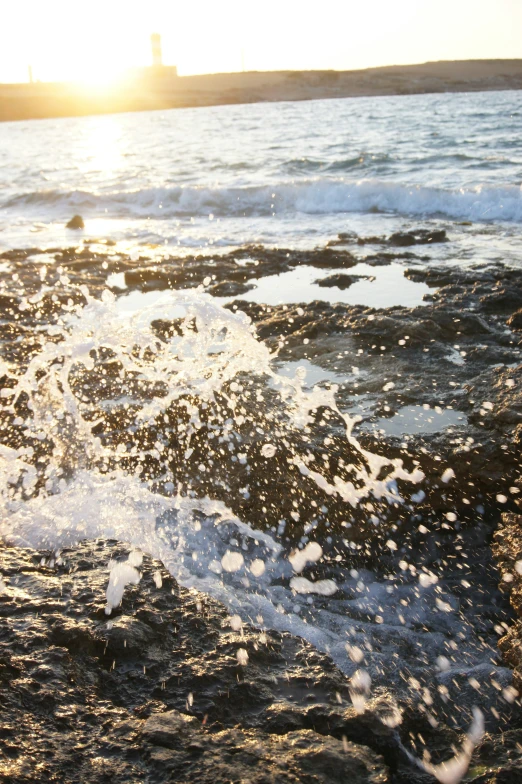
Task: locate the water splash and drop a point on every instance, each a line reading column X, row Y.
column 164, row 424
column 452, row 771
column 167, row 426
column 144, row 390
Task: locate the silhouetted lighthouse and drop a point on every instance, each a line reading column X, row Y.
column 155, row 44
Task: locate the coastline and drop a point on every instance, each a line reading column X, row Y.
column 52, row 100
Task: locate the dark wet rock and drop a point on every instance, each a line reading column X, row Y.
column 154, row 693
column 19, row 254
column 229, row 274
column 382, row 258
column 463, row 358
column 507, row 549
column 399, row 239
column 239, row 755
column 169, row 728
column 76, row 222
column 99, row 241
column 341, row 280
column 159, row 686
column 84, row 681
column 417, row 237
column 442, row 276
column 502, row 300
column 345, row 238
column 497, row 399
column 230, row 289
column 460, row 351
column 498, row 760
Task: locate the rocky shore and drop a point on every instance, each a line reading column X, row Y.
column 166, row 688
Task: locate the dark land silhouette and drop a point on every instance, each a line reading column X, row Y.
column 63, row 99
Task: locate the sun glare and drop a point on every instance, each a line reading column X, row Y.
column 46, row 40
column 98, row 76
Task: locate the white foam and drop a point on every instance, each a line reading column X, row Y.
column 122, row 574
column 313, row 196
column 309, row 554
column 320, row 587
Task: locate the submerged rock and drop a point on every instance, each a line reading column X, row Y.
column 341, row 280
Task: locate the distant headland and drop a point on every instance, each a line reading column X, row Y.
column 159, row 87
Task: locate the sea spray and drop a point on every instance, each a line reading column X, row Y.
column 152, row 425
column 112, row 388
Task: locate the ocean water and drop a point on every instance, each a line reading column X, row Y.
column 211, row 396
column 283, row 174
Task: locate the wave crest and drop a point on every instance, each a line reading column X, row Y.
column 319, row 196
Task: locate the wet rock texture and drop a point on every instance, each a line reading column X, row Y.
column 156, row 693
column 507, row 549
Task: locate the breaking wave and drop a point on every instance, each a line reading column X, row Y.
column 319, row 196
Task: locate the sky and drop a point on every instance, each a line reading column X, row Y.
column 95, row 41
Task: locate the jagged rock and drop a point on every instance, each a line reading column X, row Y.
column 230, row 288
column 155, row 693
column 399, row 239
column 81, row 680
column 186, row 753
column 498, row 760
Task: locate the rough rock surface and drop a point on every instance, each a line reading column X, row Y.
column 507, row 549
column 466, row 357
column 156, row 693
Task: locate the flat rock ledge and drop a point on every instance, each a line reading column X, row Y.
column 156, row 693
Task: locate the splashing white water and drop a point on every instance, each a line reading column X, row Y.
column 453, row 771
column 207, row 356
column 122, row 573
column 112, row 393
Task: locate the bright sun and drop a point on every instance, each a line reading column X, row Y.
column 98, row 75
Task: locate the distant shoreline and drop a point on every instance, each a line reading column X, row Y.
column 52, row 100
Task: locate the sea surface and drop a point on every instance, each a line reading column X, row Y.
column 280, row 174
column 209, row 180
